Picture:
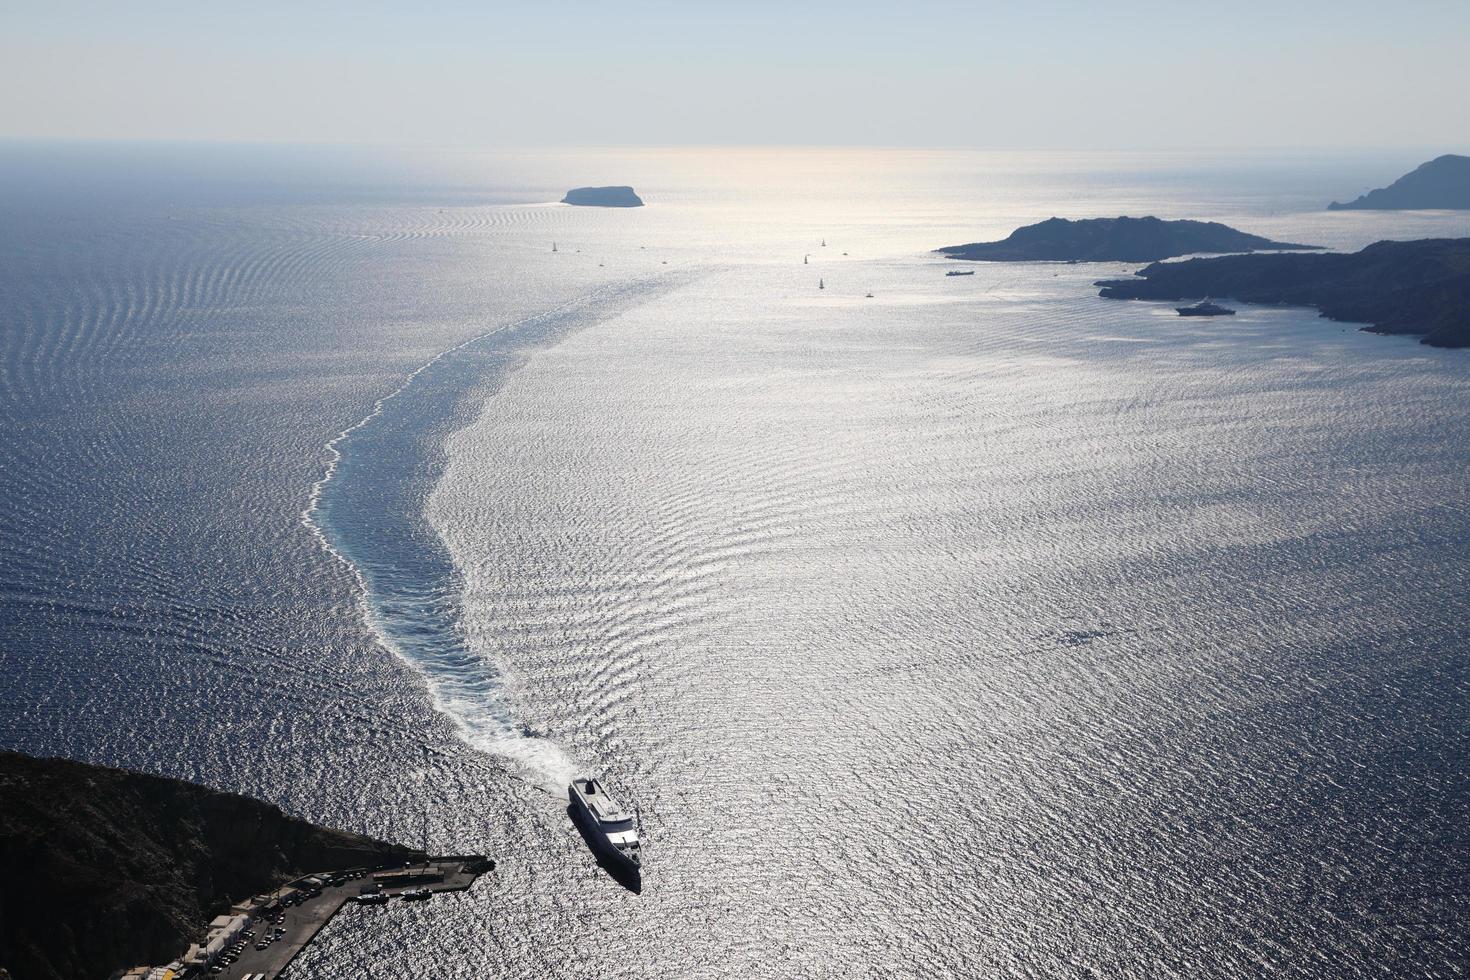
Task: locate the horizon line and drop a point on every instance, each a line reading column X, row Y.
column 1213, row 149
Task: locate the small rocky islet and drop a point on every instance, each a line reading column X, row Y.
column 618, row 196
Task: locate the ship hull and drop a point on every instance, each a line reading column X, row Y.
column 608, row 852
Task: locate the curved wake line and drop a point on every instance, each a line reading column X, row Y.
column 484, row 726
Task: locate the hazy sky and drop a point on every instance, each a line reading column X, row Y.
column 1126, row 73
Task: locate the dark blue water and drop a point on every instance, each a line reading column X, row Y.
column 172, row 376
column 1012, row 632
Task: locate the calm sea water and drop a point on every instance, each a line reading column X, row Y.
column 979, row 627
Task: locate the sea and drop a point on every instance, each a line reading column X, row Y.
column 935, row 626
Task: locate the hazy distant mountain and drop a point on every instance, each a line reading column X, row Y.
column 603, row 197
column 1114, row 240
column 1443, row 182
column 1420, row 287
column 105, row 868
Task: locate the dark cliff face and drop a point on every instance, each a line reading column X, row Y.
column 603, row 197
column 1114, row 240
column 1442, row 183
column 105, row 868
column 1419, row 288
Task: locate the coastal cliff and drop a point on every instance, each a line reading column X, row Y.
column 1123, row 239
column 1442, row 183
column 1420, row 288
column 106, row 868
column 603, row 197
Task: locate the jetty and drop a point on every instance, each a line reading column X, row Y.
column 260, row 936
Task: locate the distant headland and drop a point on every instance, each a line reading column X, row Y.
column 1114, row 240
column 603, row 197
column 1419, row 288
column 1442, row 183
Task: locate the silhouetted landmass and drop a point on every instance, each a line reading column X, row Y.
column 1443, row 182
column 1114, row 240
column 104, row 868
column 603, row 197
column 1420, row 287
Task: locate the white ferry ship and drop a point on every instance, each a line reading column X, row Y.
column 610, row 829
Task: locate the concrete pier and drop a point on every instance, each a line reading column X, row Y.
column 301, row 914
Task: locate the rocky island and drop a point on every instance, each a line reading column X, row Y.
column 1421, row 288
column 106, row 868
column 1114, row 240
column 1442, row 183
column 603, row 197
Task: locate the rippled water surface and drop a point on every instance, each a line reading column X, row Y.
column 979, row 627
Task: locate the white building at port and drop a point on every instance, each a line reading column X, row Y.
column 223, row 930
column 151, row 972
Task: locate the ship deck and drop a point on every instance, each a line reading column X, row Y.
column 600, row 803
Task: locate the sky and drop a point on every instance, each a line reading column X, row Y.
column 1125, row 74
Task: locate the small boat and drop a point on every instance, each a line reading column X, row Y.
column 804, row 259
column 869, row 296
column 373, row 898
column 610, row 830
column 821, row 284
column 960, row 272
column 824, row 243
column 553, row 246
column 1204, row 308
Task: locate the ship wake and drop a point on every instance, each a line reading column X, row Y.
column 368, row 511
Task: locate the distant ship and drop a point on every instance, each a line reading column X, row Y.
column 960, row 272
column 609, row 828
column 1204, row 308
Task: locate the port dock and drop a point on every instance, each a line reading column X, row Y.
column 262, row 935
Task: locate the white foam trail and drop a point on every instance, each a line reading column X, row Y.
column 482, row 725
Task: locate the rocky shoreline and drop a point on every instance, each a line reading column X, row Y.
column 1418, row 288
column 1124, row 239
column 107, row 868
